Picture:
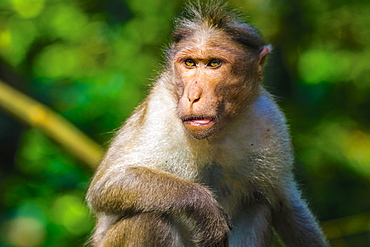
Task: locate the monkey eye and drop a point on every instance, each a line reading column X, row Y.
column 214, row 63
column 189, row 63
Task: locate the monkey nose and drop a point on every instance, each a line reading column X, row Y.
column 194, row 94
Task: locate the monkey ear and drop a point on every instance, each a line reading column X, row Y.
column 265, row 50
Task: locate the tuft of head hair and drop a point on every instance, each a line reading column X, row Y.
column 213, row 14
column 216, row 15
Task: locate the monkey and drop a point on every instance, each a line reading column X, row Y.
column 206, row 159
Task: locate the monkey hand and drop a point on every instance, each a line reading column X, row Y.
column 212, row 224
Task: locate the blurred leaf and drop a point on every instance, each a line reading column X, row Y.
column 28, row 8
column 16, row 38
column 58, row 61
column 68, row 210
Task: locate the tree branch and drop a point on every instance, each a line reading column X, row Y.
column 55, row 126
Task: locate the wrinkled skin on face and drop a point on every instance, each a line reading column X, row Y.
column 215, row 78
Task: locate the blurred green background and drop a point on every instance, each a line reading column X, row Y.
column 91, row 61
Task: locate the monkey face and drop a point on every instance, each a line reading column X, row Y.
column 215, row 77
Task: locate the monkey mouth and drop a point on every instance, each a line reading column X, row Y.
column 198, row 121
column 199, row 127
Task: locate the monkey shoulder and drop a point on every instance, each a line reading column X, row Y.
column 261, row 123
column 273, row 130
column 269, row 119
column 262, row 135
column 151, row 119
column 150, row 135
column 266, row 110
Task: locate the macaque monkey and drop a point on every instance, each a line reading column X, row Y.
column 206, row 159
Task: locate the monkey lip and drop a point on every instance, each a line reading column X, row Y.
column 197, row 121
column 200, row 127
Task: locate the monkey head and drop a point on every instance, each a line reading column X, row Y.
column 215, row 77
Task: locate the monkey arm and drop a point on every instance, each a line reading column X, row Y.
column 140, row 189
column 295, row 223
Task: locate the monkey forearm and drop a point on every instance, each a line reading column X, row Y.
column 141, row 189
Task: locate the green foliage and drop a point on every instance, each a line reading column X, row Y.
column 47, row 197
column 91, row 60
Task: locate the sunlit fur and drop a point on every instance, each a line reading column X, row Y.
column 161, row 184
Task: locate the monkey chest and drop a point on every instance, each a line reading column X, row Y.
column 230, row 186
